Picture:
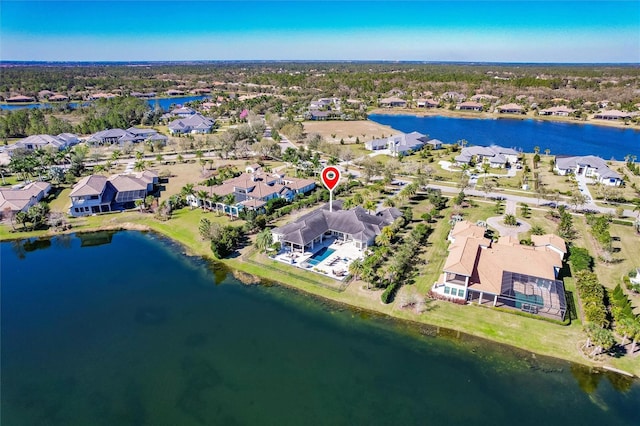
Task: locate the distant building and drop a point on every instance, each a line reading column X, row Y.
column 588, row 166
column 392, row 102
column 33, row 142
column 19, row 99
column 511, row 109
column 121, row 137
column 183, row 112
column 558, row 111
column 426, row 103
column 469, row 106
column 195, row 123
column 612, row 114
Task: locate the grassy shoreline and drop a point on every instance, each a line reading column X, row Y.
column 528, row 334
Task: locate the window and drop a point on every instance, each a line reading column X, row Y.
column 76, row 210
column 460, row 293
column 447, row 290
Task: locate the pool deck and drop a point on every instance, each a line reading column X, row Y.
column 336, row 265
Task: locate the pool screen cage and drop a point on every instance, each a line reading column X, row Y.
column 533, row 294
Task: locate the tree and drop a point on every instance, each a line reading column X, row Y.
column 356, row 268
column 578, row 199
column 526, row 211
column 264, row 239
column 369, row 205
column 537, row 230
column 510, row 220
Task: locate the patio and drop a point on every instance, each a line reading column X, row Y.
column 334, row 265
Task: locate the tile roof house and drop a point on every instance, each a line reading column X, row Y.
column 483, row 97
column 392, row 102
column 558, row 111
column 511, row 109
column 469, row 106
column 355, row 225
column 256, row 186
column 496, row 156
column 504, row 272
column 426, row 103
column 612, row 114
column 20, row 199
column 183, row 112
column 399, row 144
column 588, row 166
column 33, row 142
column 99, row 194
column 195, row 123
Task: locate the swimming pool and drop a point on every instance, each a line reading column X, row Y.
column 321, row 255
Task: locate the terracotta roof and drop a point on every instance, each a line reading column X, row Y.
column 549, row 240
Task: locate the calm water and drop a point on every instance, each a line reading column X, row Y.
column 164, row 103
column 560, row 138
column 124, row 330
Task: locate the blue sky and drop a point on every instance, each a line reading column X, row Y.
column 502, row 31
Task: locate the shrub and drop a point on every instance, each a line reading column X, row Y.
column 580, row 259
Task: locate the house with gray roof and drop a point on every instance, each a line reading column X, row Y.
column 121, row 136
column 588, row 166
column 99, row 194
column 195, row 123
column 14, row 200
column 33, row 142
column 496, row 156
column 398, row 145
column 355, row 225
column 392, row 102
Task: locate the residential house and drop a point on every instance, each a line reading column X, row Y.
column 511, row 109
column 558, row 111
column 99, row 194
column 588, row 166
column 612, row 114
column 195, row 123
column 426, row 103
column 392, row 102
column 435, row 143
column 251, row 190
column 453, row 96
column 503, row 273
column 496, row 156
column 19, row 99
column 355, row 225
column 33, row 142
column 121, row 136
column 469, row 106
column 398, row 145
column 16, row 200
column 183, row 112
column 483, row 97
column 58, row 98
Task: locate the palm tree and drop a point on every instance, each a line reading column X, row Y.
column 115, row 155
column 370, row 205
column 356, row 268
column 388, row 202
column 215, row 199
column 510, row 220
column 140, row 165
column 264, row 239
column 202, row 197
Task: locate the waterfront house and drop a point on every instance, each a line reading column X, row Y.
column 16, row 200
column 58, row 98
column 453, row 96
column 398, row 145
column 469, row 106
column 426, row 103
column 511, row 109
column 558, row 111
column 435, row 143
column 612, row 114
column 392, row 102
column 588, row 166
column 496, row 156
column 19, row 99
column 99, row 194
column 503, row 273
column 195, row 123
column 483, row 97
column 354, row 225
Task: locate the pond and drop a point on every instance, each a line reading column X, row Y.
column 559, row 138
column 123, row 328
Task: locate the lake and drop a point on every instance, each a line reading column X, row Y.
column 123, row 329
column 560, row 138
column 164, row 103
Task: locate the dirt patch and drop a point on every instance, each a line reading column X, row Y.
column 333, row 131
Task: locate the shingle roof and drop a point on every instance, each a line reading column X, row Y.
column 89, row 185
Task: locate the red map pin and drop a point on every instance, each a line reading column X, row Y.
column 330, row 177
